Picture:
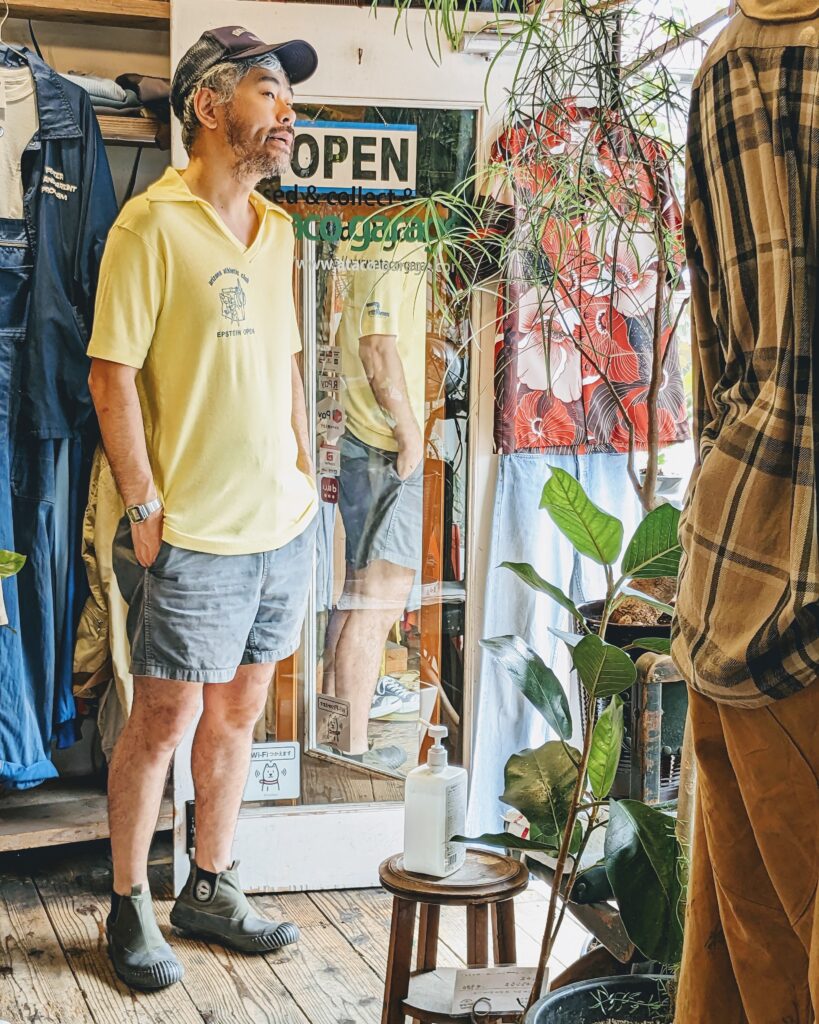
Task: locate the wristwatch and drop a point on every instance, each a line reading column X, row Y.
column 139, row 513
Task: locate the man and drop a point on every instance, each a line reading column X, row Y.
column 202, row 411
column 747, row 631
column 381, row 298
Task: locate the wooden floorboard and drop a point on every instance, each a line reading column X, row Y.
column 54, row 966
column 324, row 974
column 36, row 983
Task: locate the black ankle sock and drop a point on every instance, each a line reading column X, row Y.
column 116, row 899
column 204, row 884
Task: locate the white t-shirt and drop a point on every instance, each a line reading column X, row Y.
column 18, row 123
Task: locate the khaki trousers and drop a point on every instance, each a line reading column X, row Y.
column 751, row 953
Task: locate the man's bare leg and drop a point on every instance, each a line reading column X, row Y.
column 334, row 629
column 220, row 759
column 381, row 590
column 162, row 711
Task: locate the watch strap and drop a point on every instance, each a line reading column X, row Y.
column 139, row 513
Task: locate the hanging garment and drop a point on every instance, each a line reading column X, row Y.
column 504, row 722
column 580, row 292
column 102, row 656
column 70, row 205
column 48, row 264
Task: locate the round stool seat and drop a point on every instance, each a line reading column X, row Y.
column 485, row 877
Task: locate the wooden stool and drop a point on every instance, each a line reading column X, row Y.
column 486, row 880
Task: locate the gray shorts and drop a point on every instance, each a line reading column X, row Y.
column 196, row 617
column 382, row 514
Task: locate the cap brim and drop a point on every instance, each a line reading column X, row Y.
column 298, row 57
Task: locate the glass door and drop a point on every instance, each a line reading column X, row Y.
column 385, row 362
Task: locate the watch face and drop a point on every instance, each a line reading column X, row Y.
column 134, row 514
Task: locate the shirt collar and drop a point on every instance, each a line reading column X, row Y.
column 172, row 188
column 56, row 118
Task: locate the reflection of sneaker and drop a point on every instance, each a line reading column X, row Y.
column 384, row 704
column 385, row 758
column 409, row 700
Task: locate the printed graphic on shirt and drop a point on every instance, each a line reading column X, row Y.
column 54, row 184
column 232, row 301
column 374, row 310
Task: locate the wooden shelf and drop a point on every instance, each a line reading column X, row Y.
column 126, row 13
column 59, row 812
column 133, row 131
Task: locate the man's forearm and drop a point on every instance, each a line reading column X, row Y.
column 385, row 374
column 116, row 401
column 299, row 419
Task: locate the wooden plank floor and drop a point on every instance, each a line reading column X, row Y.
column 54, row 968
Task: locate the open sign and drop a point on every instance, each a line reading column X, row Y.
column 339, row 156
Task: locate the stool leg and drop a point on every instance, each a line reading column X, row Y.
column 399, row 961
column 430, row 918
column 477, row 935
column 503, row 932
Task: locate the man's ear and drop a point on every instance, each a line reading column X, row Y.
column 205, row 106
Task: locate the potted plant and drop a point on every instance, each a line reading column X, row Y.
column 564, row 790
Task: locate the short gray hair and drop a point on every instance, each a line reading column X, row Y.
column 222, row 78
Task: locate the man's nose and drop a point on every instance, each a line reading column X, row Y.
column 285, row 114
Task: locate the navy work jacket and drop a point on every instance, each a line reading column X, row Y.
column 69, row 206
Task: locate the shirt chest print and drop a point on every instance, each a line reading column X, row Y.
column 227, row 285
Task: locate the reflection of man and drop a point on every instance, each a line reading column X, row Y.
column 200, row 401
column 382, row 335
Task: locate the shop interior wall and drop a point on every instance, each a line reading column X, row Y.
column 108, row 52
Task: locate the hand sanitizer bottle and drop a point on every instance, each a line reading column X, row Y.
column 434, row 812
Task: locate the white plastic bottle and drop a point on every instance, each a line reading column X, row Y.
column 434, row 812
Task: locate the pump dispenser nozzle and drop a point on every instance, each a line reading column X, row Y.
column 437, row 756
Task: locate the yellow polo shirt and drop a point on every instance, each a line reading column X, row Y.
column 211, row 327
column 381, row 290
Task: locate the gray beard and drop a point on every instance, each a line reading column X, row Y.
column 251, row 159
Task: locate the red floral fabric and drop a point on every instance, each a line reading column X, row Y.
column 578, row 301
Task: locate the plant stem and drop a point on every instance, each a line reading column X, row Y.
column 548, row 938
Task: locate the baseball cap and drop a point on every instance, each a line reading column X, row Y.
column 232, row 42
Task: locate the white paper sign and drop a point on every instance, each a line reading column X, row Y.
column 333, row 722
column 339, row 156
column 275, row 772
column 329, row 382
column 330, row 419
column 329, row 357
column 329, row 460
column 506, row 989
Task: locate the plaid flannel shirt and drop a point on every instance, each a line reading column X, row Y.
column 747, row 626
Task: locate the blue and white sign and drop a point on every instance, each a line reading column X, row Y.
column 342, row 156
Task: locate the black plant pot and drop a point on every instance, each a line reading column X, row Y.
column 621, row 636
column 631, row 997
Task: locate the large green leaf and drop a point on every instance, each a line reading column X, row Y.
column 535, row 680
column 529, row 575
column 655, row 550
column 10, row 563
column 592, row 531
column 603, row 669
column 643, row 863
column 607, row 744
column 656, row 644
column 540, row 784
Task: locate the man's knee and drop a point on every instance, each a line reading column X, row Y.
column 162, row 714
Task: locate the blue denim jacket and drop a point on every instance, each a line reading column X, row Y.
column 69, row 206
